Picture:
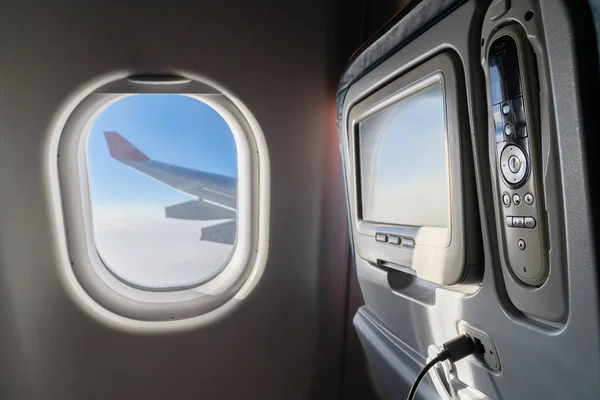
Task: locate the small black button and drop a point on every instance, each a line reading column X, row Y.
column 522, row 245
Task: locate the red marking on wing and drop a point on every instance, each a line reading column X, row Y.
column 121, row 149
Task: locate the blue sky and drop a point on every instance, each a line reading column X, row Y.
column 170, row 128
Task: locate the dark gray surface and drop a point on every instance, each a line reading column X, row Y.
column 416, row 16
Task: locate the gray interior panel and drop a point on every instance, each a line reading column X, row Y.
column 538, row 358
column 545, row 242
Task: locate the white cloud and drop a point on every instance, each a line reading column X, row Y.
column 142, row 246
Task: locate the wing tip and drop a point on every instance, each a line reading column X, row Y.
column 121, row 149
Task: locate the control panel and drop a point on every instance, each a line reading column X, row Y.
column 394, row 240
column 516, row 137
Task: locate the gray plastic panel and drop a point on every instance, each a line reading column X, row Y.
column 392, row 362
column 538, row 360
column 549, row 301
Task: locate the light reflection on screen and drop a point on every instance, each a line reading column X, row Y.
column 404, row 162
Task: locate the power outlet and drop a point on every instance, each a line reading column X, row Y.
column 485, row 349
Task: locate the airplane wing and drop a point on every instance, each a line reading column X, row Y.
column 220, row 233
column 217, row 194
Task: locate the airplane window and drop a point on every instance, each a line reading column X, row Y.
column 162, row 172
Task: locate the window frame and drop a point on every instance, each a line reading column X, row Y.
column 169, row 303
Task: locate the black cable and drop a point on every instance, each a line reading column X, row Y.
column 454, row 350
column 424, row 371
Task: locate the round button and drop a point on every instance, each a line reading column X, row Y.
column 528, row 199
column 506, row 199
column 522, row 245
column 508, row 129
column 506, row 109
column 514, row 164
column 516, row 199
column 514, row 170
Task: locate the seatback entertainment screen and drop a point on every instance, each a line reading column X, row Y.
column 409, row 173
column 403, row 162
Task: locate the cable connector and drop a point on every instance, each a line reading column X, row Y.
column 457, row 348
column 453, row 350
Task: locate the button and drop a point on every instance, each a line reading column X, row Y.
column 514, row 164
column 506, row 199
column 508, row 129
column 513, row 178
column 380, row 237
column 407, row 242
column 394, row 240
column 522, row 245
column 529, row 222
column 516, row 199
column 509, row 222
column 506, row 109
column 528, row 199
column 518, row 222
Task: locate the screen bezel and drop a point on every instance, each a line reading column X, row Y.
column 439, row 255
